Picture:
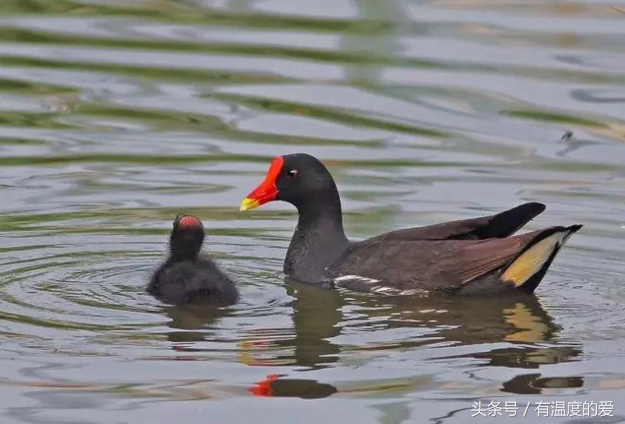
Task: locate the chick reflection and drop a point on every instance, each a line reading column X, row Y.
column 184, row 320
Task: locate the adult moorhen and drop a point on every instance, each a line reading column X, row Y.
column 467, row 256
column 187, row 276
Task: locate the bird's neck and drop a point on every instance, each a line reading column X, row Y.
column 321, row 215
column 319, row 238
column 178, row 256
column 321, row 222
column 185, row 247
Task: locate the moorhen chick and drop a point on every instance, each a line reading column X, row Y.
column 188, row 276
column 477, row 255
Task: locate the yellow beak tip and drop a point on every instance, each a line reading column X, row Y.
column 248, row 204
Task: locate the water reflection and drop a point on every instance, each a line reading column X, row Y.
column 509, row 331
column 515, row 332
column 274, row 386
column 517, row 320
column 115, row 117
column 317, row 314
column 532, row 384
column 190, row 323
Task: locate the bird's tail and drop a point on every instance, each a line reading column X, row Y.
column 528, row 269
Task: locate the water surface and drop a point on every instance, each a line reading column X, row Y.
column 117, row 115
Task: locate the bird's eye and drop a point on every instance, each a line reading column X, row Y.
column 292, row 173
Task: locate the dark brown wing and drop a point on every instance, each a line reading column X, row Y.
column 500, row 225
column 427, row 264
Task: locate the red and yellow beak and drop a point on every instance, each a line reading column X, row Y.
column 267, row 190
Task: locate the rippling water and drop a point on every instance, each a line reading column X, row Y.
column 117, row 115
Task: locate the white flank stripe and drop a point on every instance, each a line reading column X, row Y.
column 355, row 278
column 386, row 290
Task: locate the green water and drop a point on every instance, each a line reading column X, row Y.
column 115, row 116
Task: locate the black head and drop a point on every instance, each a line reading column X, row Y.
column 297, row 178
column 186, row 237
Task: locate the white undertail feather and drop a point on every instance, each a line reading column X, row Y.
column 533, row 259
